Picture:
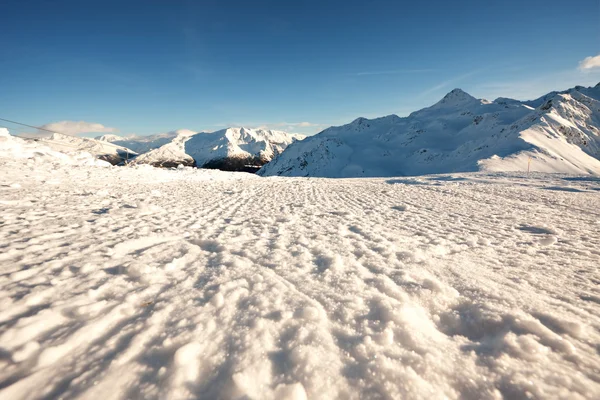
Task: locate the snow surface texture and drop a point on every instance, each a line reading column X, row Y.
column 559, row 132
column 138, row 282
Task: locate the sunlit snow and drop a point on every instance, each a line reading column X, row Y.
column 138, row 282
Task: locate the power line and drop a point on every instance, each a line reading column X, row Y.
column 91, row 142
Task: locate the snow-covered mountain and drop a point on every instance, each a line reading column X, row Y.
column 171, row 154
column 559, row 132
column 231, row 149
column 109, row 138
column 104, row 150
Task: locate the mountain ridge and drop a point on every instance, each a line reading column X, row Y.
column 559, row 132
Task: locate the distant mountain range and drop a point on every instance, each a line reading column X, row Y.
column 144, row 144
column 231, row 149
column 104, row 150
column 559, row 132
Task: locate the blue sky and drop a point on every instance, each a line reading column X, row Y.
column 152, row 66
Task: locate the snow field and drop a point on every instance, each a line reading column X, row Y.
column 37, row 153
column 146, row 283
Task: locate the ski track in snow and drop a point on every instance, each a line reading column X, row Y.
column 143, row 283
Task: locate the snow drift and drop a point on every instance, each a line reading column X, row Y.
column 558, row 132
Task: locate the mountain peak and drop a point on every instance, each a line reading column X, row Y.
column 359, row 121
column 454, row 97
column 457, row 95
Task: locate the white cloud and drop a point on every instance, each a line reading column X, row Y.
column 183, row 131
column 304, row 124
column 78, row 127
column 589, row 63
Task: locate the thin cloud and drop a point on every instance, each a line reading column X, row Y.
column 450, row 82
column 392, row 72
column 290, row 126
column 302, row 124
column 534, row 87
column 589, row 63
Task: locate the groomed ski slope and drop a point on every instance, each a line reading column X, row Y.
column 142, row 283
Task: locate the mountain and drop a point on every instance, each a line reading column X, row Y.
column 231, row 149
column 169, row 155
column 103, row 150
column 108, row 138
column 559, row 132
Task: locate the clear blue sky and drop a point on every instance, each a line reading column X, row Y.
column 153, row 66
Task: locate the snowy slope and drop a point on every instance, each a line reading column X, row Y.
column 559, row 132
column 142, row 283
column 103, row 150
column 35, row 152
column 171, row 154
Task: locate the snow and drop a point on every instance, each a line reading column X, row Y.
column 242, row 143
column 109, row 138
column 36, row 152
column 228, row 149
column 144, row 144
column 139, row 282
column 558, row 133
column 170, row 154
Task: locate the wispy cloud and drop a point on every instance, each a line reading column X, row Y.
column 589, row 63
column 391, row 72
column 302, row 124
column 531, row 88
column 449, row 82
